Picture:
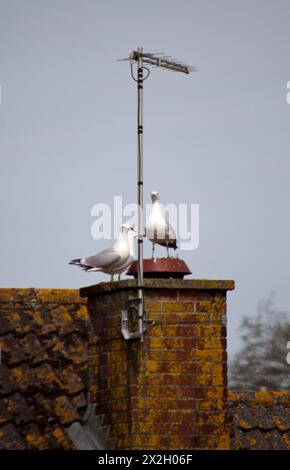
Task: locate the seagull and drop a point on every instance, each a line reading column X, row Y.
column 132, row 234
column 158, row 230
column 109, row 261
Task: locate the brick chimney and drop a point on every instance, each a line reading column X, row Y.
column 168, row 391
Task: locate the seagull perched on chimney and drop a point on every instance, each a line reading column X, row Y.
column 113, row 260
column 158, row 230
column 132, row 234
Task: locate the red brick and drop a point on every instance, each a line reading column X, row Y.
column 157, row 394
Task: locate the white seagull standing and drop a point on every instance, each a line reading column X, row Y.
column 158, row 230
column 112, row 260
column 132, row 234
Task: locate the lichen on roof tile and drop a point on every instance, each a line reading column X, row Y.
column 18, row 408
column 5, row 416
column 10, row 438
column 65, row 411
column 33, row 437
column 11, row 351
column 43, row 335
column 259, row 420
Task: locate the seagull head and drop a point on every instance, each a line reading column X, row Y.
column 125, row 228
column 154, row 196
column 129, row 229
column 132, row 232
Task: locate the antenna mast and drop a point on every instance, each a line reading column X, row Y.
column 164, row 62
column 140, row 189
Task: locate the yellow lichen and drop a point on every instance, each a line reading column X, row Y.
column 252, row 441
column 82, row 312
column 17, row 374
column 57, row 433
column 264, row 397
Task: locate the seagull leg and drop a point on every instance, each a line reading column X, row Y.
column 167, row 251
column 153, row 248
column 112, row 277
column 119, row 277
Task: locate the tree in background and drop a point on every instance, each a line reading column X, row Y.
column 261, row 362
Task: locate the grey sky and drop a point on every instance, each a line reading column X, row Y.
column 219, row 137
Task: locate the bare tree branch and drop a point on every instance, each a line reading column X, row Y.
column 261, row 362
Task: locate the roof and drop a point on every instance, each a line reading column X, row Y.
column 45, row 375
column 44, row 359
column 259, row 420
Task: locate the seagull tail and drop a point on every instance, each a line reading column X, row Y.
column 81, row 263
column 77, row 262
column 172, row 244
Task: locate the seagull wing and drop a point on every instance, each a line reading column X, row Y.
column 169, row 231
column 122, row 267
column 103, row 260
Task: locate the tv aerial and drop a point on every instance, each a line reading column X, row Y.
column 159, row 60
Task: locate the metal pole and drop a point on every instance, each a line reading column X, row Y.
column 165, row 63
column 140, row 189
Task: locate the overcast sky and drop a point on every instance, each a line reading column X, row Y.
column 219, row 137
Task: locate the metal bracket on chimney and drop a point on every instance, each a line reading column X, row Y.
column 130, row 320
column 92, row 434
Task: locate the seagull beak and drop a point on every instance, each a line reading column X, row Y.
column 135, row 232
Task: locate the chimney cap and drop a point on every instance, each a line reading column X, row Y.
column 161, row 268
